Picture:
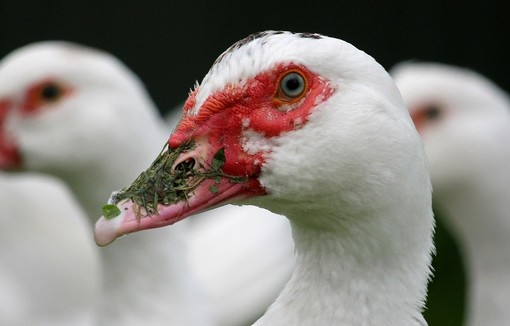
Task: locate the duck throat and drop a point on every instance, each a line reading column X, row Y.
column 355, row 276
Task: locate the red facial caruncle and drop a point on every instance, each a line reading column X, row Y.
column 9, row 156
column 267, row 105
column 242, row 119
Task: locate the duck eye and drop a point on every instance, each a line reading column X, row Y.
column 51, row 92
column 432, row 112
column 292, row 85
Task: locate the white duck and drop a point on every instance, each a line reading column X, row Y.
column 65, row 102
column 49, row 265
column 464, row 120
column 73, row 108
column 310, row 127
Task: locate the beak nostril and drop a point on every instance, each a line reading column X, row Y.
column 185, row 166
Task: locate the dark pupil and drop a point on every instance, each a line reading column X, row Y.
column 293, row 84
column 433, row 112
column 50, row 92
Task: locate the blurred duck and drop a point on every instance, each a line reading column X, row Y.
column 464, row 120
column 80, row 114
column 49, row 265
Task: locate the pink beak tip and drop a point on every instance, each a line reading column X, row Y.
column 105, row 231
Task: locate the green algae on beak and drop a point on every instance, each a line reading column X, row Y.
column 110, row 211
column 159, row 184
column 164, row 184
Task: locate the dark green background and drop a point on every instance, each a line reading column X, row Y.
column 172, row 44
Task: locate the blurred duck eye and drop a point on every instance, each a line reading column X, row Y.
column 41, row 94
column 51, row 92
column 425, row 115
column 432, row 112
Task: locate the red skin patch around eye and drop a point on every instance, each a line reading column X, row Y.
column 33, row 100
column 254, row 106
column 229, row 117
column 421, row 116
column 9, row 155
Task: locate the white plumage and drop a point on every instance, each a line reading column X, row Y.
column 72, row 137
column 50, row 268
column 350, row 175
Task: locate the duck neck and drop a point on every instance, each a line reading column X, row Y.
column 354, row 276
column 478, row 216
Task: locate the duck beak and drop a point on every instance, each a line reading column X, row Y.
column 182, row 181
